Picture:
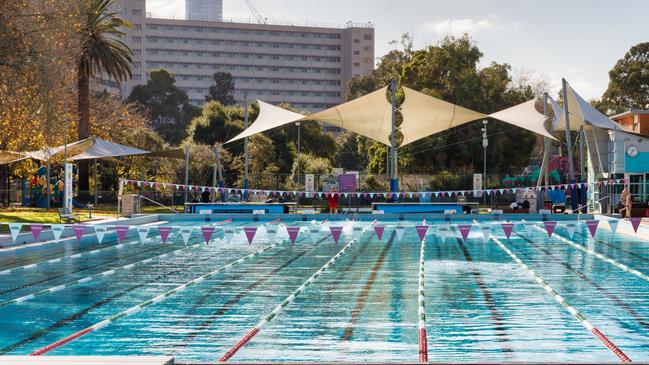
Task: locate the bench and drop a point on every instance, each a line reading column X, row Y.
column 65, row 213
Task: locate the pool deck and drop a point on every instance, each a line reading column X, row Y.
column 87, row 360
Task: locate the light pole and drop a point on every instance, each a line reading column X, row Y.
column 246, row 182
column 297, row 197
column 485, row 144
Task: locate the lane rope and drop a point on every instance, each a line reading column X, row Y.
column 138, row 308
column 559, row 299
column 423, row 342
column 248, row 336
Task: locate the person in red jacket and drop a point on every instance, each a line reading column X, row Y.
column 332, row 198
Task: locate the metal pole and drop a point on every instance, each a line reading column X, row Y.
column 571, row 168
column 217, row 154
column 582, row 169
column 394, row 182
column 48, row 176
column 485, row 144
column 186, row 171
column 546, row 146
column 297, row 198
column 246, row 182
column 94, row 177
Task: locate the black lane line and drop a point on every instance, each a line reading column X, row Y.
column 232, row 302
column 58, row 324
column 644, row 323
column 643, row 258
column 496, row 317
column 362, row 297
column 77, row 271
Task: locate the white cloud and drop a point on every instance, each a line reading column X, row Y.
column 457, row 27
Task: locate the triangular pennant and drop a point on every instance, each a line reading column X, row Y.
column 185, row 233
column 228, row 234
column 250, row 233
column 314, row 232
column 100, row 231
column 486, row 232
column 528, row 228
column 207, row 234
column 549, row 227
column 271, row 232
column 465, row 229
column 14, row 228
column 442, row 232
column 121, row 232
column 292, row 233
column 507, row 228
column 400, row 230
column 164, row 233
column 358, row 232
column 379, row 229
column 79, row 230
column 571, row 228
column 142, row 232
column 57, row 230
column 335, row 233
column 421, row 231
column 635, row 222
column 36, row 230
column 592, row 227
column 612, row 223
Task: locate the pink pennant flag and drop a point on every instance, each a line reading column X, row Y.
column 421, row 231
column 549, row 227
column 336, row 232
column 250, row 233
column 592, row 227
column 508, row 228
column 635, row 222
column 464, row 230
column 79, row 230
column 36, row 230
column 121, row 232
column 378, row 229
column 292, row 233
column 207, row 233
column 164, row 233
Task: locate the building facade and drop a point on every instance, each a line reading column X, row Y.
column 635, row 120
column 306, row 66
column 204, row 10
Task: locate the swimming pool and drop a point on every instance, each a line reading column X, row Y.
column 480, row 304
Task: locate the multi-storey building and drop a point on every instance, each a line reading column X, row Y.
column 305, row 65
column 204, row 10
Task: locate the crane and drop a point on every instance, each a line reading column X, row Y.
column 255, row 11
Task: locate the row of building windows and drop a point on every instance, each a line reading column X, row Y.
column 223, row 67
column 273, row 33
column 260, row 80
column 216, row 42
column 298, row 106
column 260, row 92
column 259, row 56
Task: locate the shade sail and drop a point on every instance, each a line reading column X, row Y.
column 424, row 115
column 524, row 116
column 582, row 113
column 270, row 116
column 369, row 116
column 103, row 149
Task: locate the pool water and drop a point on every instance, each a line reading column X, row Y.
column 480, row 304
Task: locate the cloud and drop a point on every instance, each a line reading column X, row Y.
column 457, row 27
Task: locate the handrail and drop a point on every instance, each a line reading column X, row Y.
column 159, row 204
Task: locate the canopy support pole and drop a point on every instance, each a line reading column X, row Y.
column 94, row 177
column 186, row 171
column 394, row 180
column 48, row 176
column 571, row 168
column 297, row 194
column 218, row 171
column 543, row 172
column 582, row 171
column 246, row 182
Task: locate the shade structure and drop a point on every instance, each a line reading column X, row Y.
column 524, row 116
column 104, row 149
column 369, row 116
column 582, row 113
column 270, row 117
column 424, row 115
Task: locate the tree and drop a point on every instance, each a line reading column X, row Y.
column 349, row 152
column 223, row 88
column 169, row 109
column 628, row 87
column 101, row 52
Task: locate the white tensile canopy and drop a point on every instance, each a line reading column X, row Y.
column 101, row 148
column 581, row 113
column 270, row 116
column 524, row 116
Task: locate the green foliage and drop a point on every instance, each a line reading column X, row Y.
column 377, row 153
column 350, row 153
column 169, row 109
column 445, row 180
column 371, row 183
column 310, row 164
column 219, row 124
column 628, row 87
column 222, row 90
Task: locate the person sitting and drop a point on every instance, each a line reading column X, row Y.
column 332, row 199
column 205, row 196
column 513, row 205
column 526, row 204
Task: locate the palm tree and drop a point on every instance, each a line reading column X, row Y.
column 102, row 51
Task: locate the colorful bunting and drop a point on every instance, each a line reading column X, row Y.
column 635, row 222
column 529, row 226
column 57, row 230
column 379, row 229
column 508, row 228
column 207, row 234
column 592, row 227
column 228, row 234
column 335, row 233
column 185, row 233
column 250, row 233
column 549, row 227
column 443, row 232
column 79, row 231
column 14, row 228
column 421, row 231
column 271, row 232
column 142, row 233
column 36, row 230
column 100, row 231
column 486, row 232
column 612, row 223
column 465, row 229
column 121, row 232
column 292, row 233
column 399, row 230
column 571, row 228
column 358, row 232
column 164, row 233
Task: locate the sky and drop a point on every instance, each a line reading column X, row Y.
column 579, row 40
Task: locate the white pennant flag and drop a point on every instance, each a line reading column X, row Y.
column 612, row 223
column 15, row 229
column 185, row 233
column 228, row 233
column 528, row 227
column 358, row 232
column 571, row 228
column 443, row 232
column 57, row 230
column 271, row 232
column 400, row 230
column 314, row 230
column 143, row 232
column 486, row 232
column 100, row 231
